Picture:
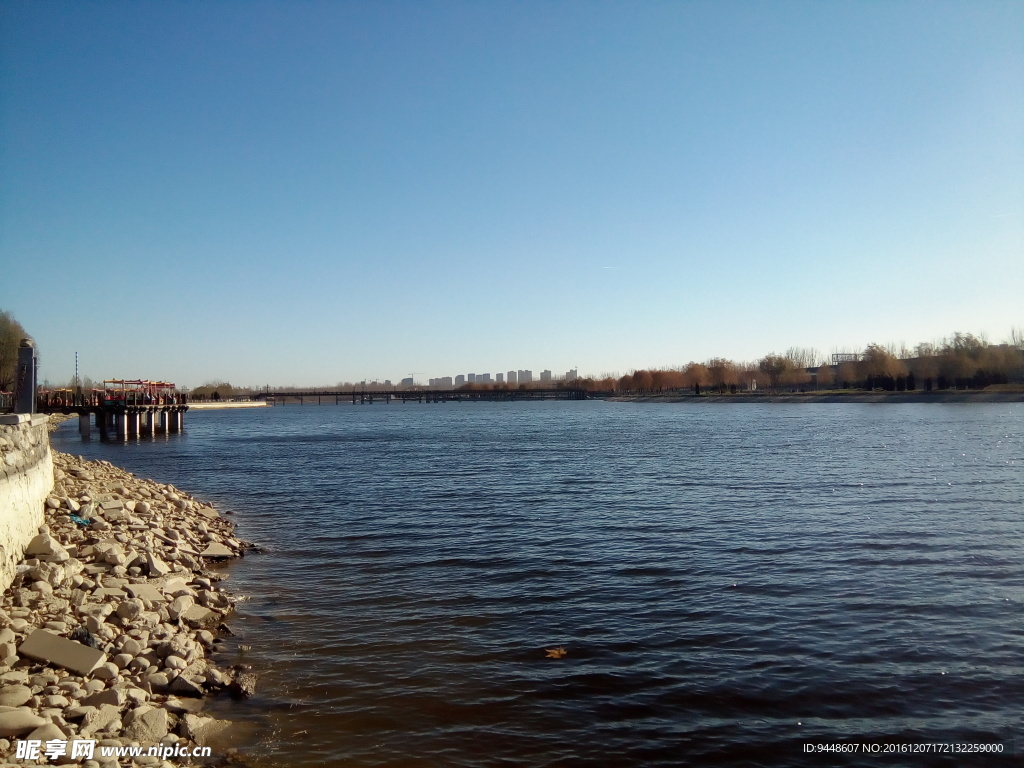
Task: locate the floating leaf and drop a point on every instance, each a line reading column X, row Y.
column 555, row 653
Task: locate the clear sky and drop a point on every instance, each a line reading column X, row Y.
column 311, row 192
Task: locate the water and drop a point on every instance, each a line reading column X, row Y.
column 729, row 582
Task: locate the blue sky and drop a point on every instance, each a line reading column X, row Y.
column 311, row 192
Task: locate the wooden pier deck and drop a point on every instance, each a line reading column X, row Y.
column 132, row 417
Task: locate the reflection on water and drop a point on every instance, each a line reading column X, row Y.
column 729, row 582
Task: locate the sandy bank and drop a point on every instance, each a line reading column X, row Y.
column 834, row 397
column 105, row 632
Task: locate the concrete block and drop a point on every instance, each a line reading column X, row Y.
column 53, row 649
column 146, row 592
column 217, row 550
column 198, row 615
column 177, row 587
column 104, row 592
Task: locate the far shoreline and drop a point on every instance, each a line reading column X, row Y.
column 831, row 397
column 227, row 404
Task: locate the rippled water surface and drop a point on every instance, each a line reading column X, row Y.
column 729, row 581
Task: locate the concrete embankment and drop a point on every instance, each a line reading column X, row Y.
column 106, row 629
column 26, row 477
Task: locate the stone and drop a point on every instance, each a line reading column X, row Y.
column 106, row 671
column 178, row 706
column 14, row 695
column 182, row 686
column 202, row 730
column 158, row 681
column 42, row 587
column 77, row 713
column 217, row 550
column 177, row 588
column 175, row 662
column 113, row 696
column 18, row 722
column 107, row 717
column 198, row 615
column 151, row 724
column 179, row 606
column 122, row 660
column 130, row 609
column 146, row 592
column 47, row 732
column 244, row 684
column 157, row 567
column 49, row 648
column 131, row 646
column 43, row 544
column 104, row 593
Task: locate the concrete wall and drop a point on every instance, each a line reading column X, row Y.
column 26, row 478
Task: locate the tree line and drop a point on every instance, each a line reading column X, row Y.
column 961, row 361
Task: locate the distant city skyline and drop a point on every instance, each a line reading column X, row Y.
column 307, row 193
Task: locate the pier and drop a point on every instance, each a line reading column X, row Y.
column 368, row 397
column 136, row 408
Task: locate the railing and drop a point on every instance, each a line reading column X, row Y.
column 66, row 399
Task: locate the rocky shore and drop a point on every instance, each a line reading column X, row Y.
column 106, row 630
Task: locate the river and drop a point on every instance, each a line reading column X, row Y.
column 729, row 582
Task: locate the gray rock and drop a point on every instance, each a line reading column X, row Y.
column 157, row 567
column 14, row 695
column 202, row 730
column 107, row 717
column 48, row 732
column 151, row 724
column 113, row 696
column 19, row 721
column 130, row 609
column 182, row 686
column 43, row 544
column 106, row 671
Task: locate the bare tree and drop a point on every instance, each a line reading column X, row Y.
column 11, row 334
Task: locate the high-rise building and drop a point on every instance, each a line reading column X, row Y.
column 545, row 376
column 484, row 377
column 470, row 377
column 499, row 377
column 525, row 377
column 407, row 382
column 460, row 380
column 572, row 374
column 512, row 378
column 445, row 382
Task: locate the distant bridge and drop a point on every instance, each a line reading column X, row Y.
column 420, row 395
